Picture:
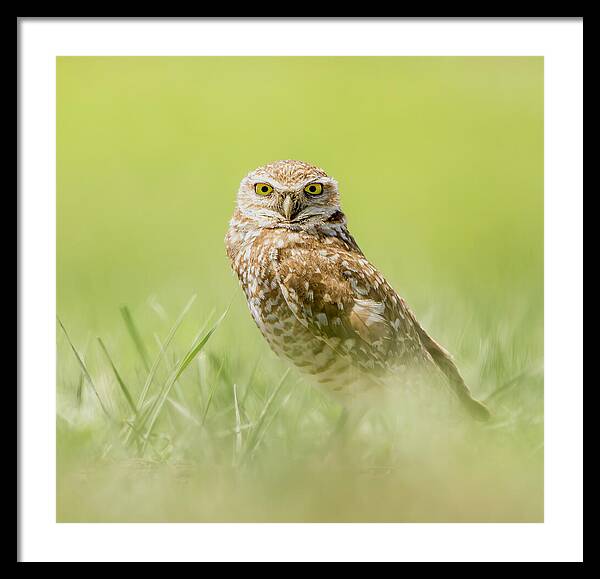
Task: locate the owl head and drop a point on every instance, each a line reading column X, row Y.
column 289, row 194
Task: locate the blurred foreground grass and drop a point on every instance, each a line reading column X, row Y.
column 440, row 167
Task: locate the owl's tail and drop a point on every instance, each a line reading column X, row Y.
column 443, row 359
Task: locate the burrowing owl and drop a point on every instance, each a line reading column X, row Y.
column 313, row 294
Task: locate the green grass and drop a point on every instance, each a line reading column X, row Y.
column 168, row 411
column 216, row 437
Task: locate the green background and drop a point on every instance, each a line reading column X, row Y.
column 439, row 161
column 440, row 167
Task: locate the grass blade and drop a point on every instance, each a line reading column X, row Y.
column 250, row 382
column 179, row 369
column 214, row 360
column 212, row 391
column 150, row 378
column 253, row 438
column 272, row 419
column 507, row 385
column 163, row 349
column 183, row 411
column 124, row 388
column 238, row 432
column 84, row 369
column 135, row 336
column 79, row 393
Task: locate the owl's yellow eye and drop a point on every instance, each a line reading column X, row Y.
column 314, row 189
column 263, row 189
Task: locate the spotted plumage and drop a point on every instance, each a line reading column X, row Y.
column 313, row 294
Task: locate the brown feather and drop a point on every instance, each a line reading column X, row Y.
column 315, row 297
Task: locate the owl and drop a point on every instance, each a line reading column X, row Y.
column 316, row 298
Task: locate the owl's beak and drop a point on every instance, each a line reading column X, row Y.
column 287, row 207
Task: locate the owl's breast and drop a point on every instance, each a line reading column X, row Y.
column 255, row 265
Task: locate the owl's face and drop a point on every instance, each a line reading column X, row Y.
column 288, row 194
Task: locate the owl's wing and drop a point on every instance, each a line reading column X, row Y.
column 342, row 299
